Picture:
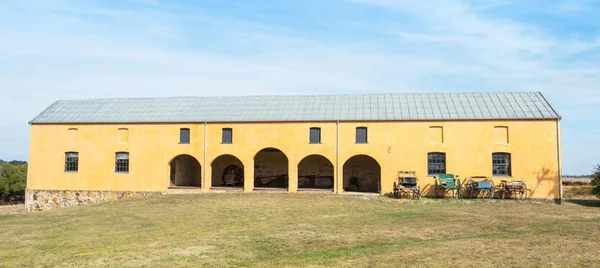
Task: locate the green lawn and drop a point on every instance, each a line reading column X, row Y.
column 303, row 230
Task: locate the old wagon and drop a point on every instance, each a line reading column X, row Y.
column 476, row 185
column 407, row 185
column 516, row 188
column 447, row 182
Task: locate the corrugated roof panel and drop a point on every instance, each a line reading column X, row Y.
column 390, row 106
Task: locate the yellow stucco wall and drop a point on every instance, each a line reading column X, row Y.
column 395, row 145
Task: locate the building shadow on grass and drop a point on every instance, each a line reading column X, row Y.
column 584, row 202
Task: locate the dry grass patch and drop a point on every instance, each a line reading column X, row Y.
column 12, row 209
column 266, row 230
column 572, row 181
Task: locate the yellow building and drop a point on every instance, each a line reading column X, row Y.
column 85, row 151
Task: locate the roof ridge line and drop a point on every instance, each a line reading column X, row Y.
column 291, row 95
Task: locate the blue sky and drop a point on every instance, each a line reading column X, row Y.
column 61, row 49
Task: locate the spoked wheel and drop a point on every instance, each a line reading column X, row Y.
column 470, row 188
column 523, row 192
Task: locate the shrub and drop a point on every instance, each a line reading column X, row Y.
column 596, row 181
column 577, row 192
column 13, row 180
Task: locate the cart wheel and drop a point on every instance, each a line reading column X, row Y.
column 524, row 193
column 469, row 187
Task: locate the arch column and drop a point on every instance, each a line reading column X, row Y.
column 249, row 175
column 338, row 178
column 208, row 179
column 293, row 177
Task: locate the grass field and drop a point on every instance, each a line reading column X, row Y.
column 266, row 230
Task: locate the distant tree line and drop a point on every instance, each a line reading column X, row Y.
column 14, row 162
column 577, row 176
column 13, row 180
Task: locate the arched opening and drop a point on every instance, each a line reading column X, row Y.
column 362, row 173
column 315, row 172
column 227, row 171
column 185, row 171
column 271, row 169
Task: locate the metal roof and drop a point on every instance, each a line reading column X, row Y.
column 363, row 107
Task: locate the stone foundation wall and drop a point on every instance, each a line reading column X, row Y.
column 40, row 200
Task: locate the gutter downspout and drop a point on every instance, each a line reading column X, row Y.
column 559, row 145
column 204, row 169
column 337, row 156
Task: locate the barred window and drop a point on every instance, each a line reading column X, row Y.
column 361, row 135
column 501, row 164
column 72, row 161
column 436, row 163
column 122, row 162
column 184, row 136
column 227, row 136
column 315, row 135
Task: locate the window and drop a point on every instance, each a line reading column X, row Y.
column 122, row 162
column 227, row 136
column 184, row 136
column 315, row 135
column 501, row 134
column 72, row 162
column 501, row 164
column 436, row 163
column 123, row 135
column 361, row 135
column 72, row 135
column 436, row 134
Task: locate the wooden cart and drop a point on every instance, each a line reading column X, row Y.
column 407, row 185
